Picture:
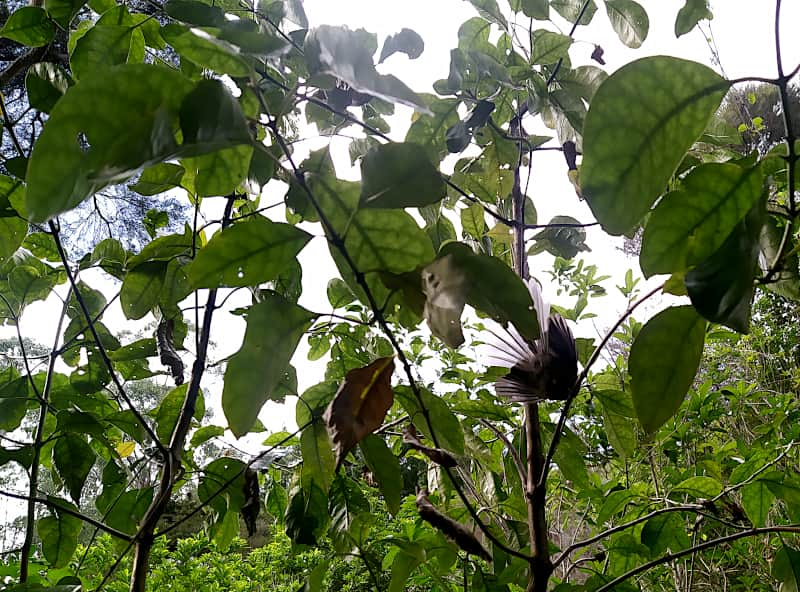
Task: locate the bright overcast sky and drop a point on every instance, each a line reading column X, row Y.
column 743, row 31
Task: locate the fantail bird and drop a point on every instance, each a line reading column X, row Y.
column 539, row 369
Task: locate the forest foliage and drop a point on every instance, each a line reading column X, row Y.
column 671, row 463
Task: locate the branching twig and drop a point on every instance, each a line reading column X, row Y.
column 694, row 549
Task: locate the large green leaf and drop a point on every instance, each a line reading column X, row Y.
column 387, row 240
column 247, row 254
column 629, row 20
column 536, row 9
column 350, row 514
column 663, row 361
column 385, row 467
column 104, row 46
column 757, row 500
column 549, row 47
column 45, row 83
column 212, row 118
column 347, row 55
column 786, row 568
column 399, row 175
column 722, row 287
column 141, row 289
column 205, row 50
column 318, row 458
column 274, row 328
column 102, row 130
column 220, row 172
column 227, row 472
column 690, row 224
column 158, row 178
column 666, row 532
column 59, row 535
column 14, row 398
column 640, row 123
column 73, row 459
column 30, row 26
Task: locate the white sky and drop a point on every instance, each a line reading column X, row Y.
column 743, row 30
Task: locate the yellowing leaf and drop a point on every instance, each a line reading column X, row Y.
column 125, row 449
column 360, row 405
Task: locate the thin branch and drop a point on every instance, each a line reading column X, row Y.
column 509, row 446
column 338, row 243
column 98, row 341
column 576, row 388
column 620, row 527
column 66, row 510
column 701, row 547
column 33, row 476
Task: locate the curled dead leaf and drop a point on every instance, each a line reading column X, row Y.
column 455, row 531
column 445, row 289
column 360, row 405
column 439, row 456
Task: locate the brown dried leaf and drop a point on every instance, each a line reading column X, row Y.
column 455, row 531
column 360, row 405
column 439, row 456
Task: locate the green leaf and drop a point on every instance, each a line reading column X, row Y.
column 128, row 509
column 430, row 131
column 666, row 532
column 562, row 241
column 206, row 51
column 757, row 500
column 318, row 458
column 46, row 83
column 104, row 46
column 786, row 568
column 126, row 116
column 274, row 328
column 347, row 55
column 444, row 423
column 220, row 172
column 640, row 123
column 629, row 21
column 211, row 117
column 59, row 536
column 29, row 26
column 403, row 566
column 692, row 12
column 226, row 474
column 141, row 289
column 571, row 10
column 700, row 487
column 722, row 287
column 248, row 253
column 62, row 11
column 307, row 514
column 489, row 10
column 195, row 13
column 168, row 411
column 690, row 224
column 383, row 464
column 406, row 41
column 350, row 514
column 12, row 233
column 158, row 178
column 387, row 240
column 549, row 47
column 73, row 459
column 399, row 175
column 14, row 397
column 617, row 412
column 206, row 433
column 663, row 361
column 535, row 9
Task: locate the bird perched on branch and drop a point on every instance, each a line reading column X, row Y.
column 539, row 369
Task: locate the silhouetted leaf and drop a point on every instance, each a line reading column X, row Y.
column 399, row 175
column 406, row 41
column 663, row 361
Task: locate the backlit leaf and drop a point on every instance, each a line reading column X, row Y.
column 641, row 121
column 399, row 175
column 629, row 20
